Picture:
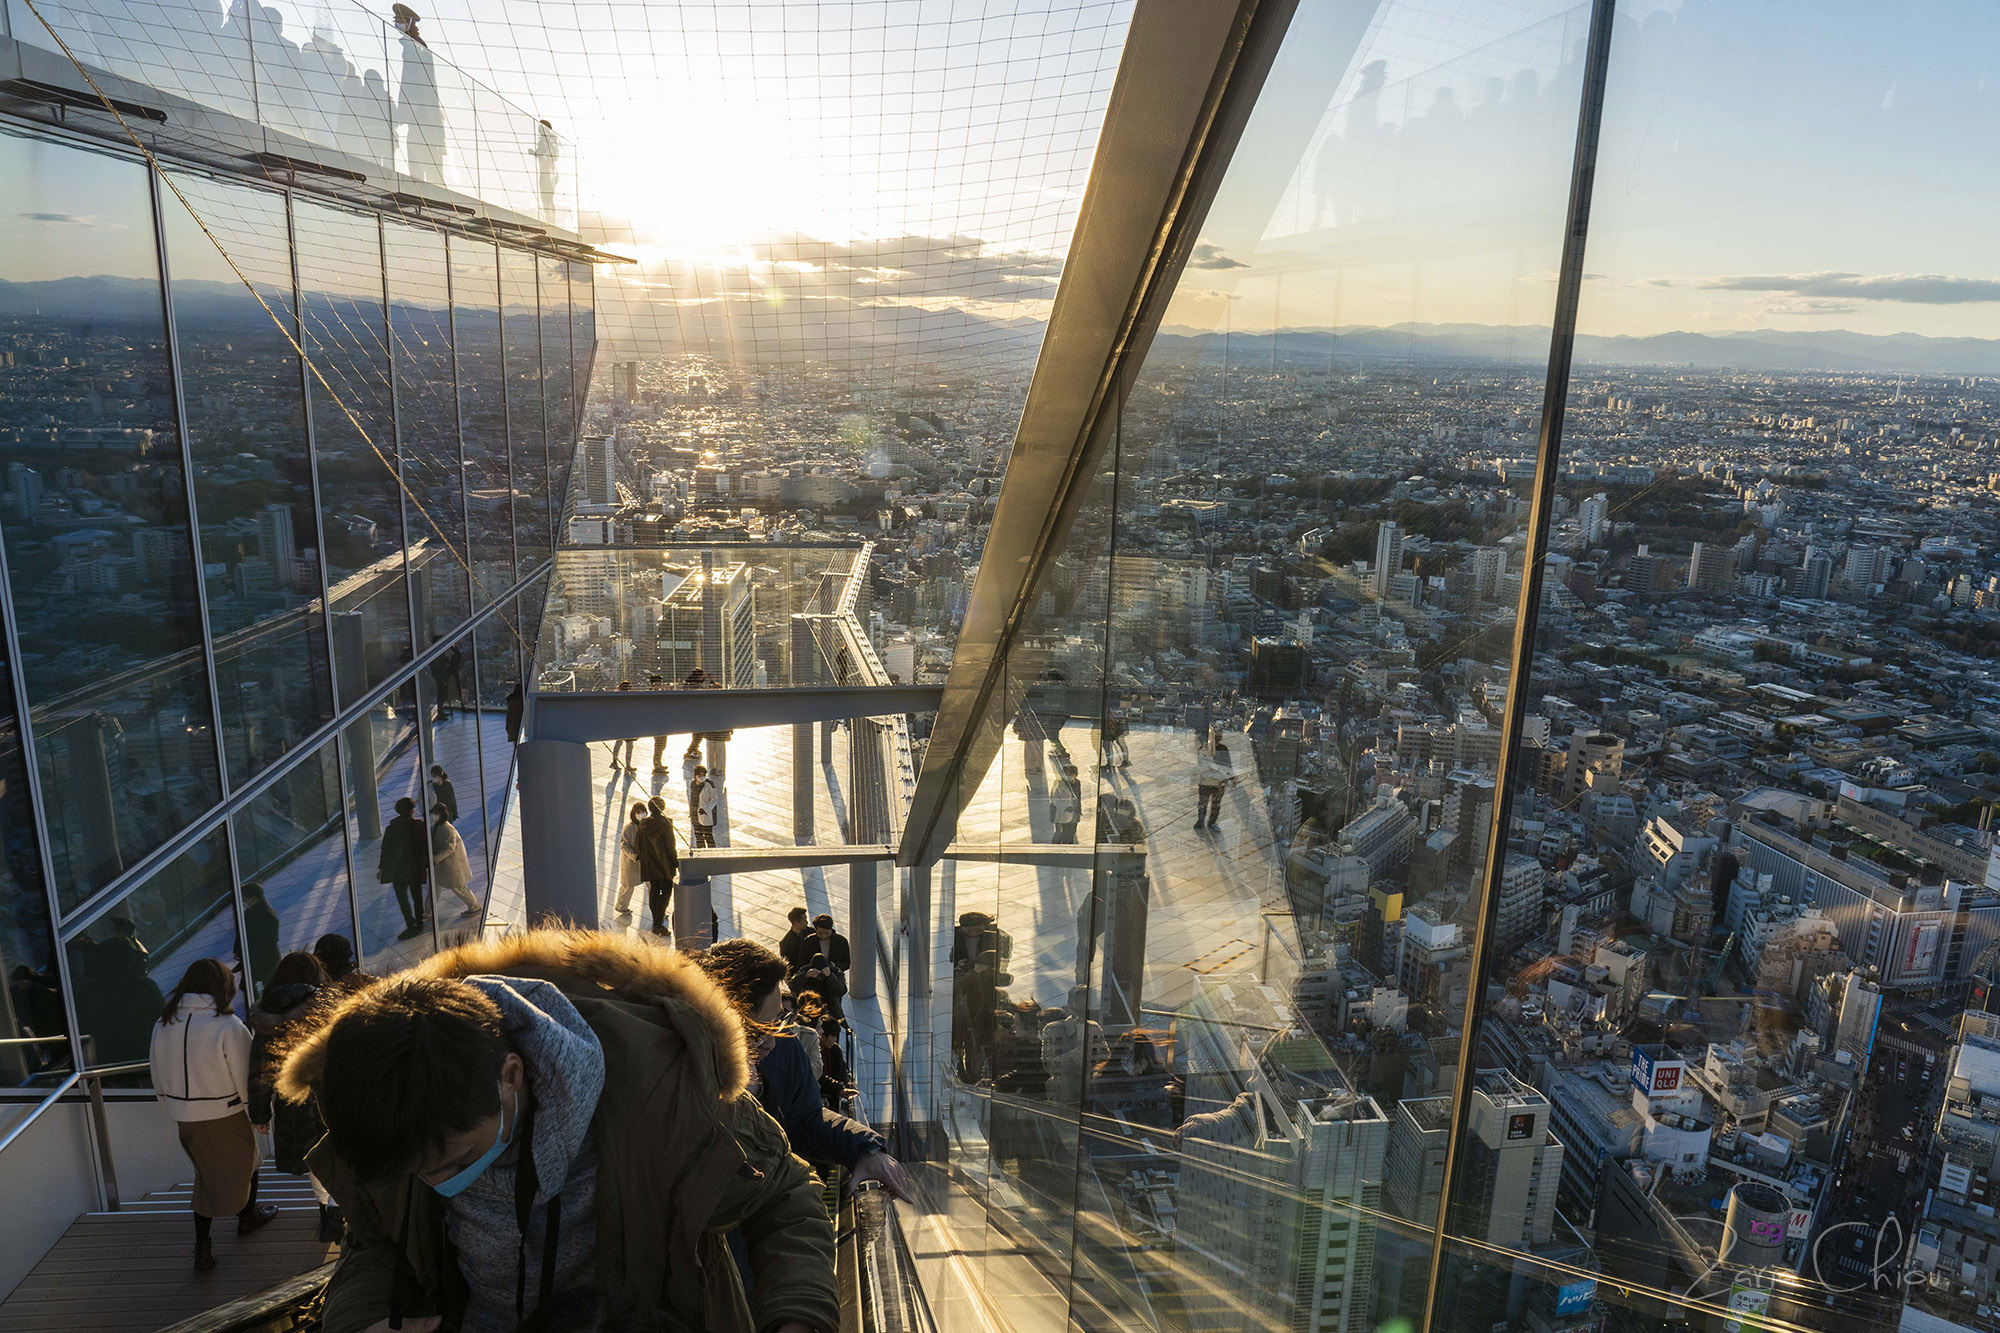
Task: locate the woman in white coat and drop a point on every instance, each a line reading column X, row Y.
column 201, row 1074
column 629, row 874
column 451, row 867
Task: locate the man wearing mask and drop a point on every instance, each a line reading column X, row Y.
column 518, row 1121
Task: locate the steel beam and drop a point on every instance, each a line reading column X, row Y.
column 607, row 715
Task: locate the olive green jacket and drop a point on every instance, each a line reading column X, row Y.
column 684, row 1155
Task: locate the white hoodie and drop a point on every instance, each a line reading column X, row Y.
column 201, row 1062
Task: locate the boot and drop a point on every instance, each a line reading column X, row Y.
column 204, row 1255
column 257, row 1217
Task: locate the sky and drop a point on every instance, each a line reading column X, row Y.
column 900, row 178
column 1784, row 165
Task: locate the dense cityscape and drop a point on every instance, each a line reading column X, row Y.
column 1742, row 951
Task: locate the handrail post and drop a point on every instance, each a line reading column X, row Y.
column 108, row 1181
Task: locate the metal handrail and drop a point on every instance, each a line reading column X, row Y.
column 296, row 1299
column 94, row 1078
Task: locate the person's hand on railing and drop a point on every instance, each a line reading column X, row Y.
column 884, row 1169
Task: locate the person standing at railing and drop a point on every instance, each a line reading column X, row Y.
column 548, row 149
column 201, row 1073
column 417, row 104
column 659, row 862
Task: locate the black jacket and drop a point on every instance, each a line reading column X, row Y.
column 443, row 792
column 797, row 950
column 659, row 860
column 295, row 1126
column 260, row 930
column 406, row 852
column 791, row 1095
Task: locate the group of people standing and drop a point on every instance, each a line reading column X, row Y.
column 412, row 856
column 649, row 855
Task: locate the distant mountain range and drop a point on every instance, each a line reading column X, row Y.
column 809, row 327
column 1748, row 349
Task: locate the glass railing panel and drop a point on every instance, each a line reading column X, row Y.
column 1751, row 971
column 189, row 50
column 291, row 850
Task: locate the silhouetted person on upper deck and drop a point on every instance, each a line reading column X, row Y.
column 417, row 102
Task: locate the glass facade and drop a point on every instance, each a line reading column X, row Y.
column 233, row 465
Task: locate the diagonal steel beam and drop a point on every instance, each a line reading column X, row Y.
column 1190, row 72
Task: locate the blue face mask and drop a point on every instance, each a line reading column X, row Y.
column 503, row 1138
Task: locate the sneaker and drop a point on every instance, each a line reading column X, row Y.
column 262, row 1217
column 624, row 911
column 661, row 930
column 661, row 768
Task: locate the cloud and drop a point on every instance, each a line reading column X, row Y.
column 1810, row 305
column 1908, row 288
column 1209, row 255
column 71, row 220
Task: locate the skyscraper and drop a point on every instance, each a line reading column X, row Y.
column 1711, row 568
column 274, row 543
column 1513, row 1165
column 1388, row 558
column 1593, row 516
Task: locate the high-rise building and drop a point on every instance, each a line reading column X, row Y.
column 1513, row 1165
column 1593, row 516
column 274, row 543
column 1388, row 559
column 1712, row 568
column 1520, row 916
column 1596, row 761
column 1488, row 564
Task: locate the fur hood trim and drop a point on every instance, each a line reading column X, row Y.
column 580, row 963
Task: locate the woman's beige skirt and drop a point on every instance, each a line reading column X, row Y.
column 225, row 1156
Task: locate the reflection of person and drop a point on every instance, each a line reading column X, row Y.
column 454, row 867
column 260, row 934
column 547, row 149
column 442, row 792
column 447, row 683
column 1113, row 737
column 405, row 862
column 979, row 958
column 200, row 1061
column 121, row 999
column 659, row 862
column 1065, row 802
column 417, row 102
column 623, row 1068
column 293, row 988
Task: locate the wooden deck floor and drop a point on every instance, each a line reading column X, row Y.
column 133, row 1271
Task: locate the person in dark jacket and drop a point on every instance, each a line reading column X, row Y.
column 406, row 863
column 595, row 1088
column 443, row 793
column 297, row 984
column 659, row 862
column 260, row 934
column 448, row 682
column 795, row 946
column 980, row 953
column 336, row 954
column 749, row 975
column 827, row 959
column 517, row 707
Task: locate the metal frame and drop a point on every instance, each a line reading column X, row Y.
column 1548, row 449
column 1189, row 76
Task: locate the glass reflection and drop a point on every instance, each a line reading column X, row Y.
column 252, row 473
column 291, row 850
column 354, row 445
column 482, row 415
column 452, row 736
column 32, row 1020
column 123, row 963
column 521, row 331
column 501, row 697
column 558, row 395
column 427, row 426
column 98, row 549
column 385, row 774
